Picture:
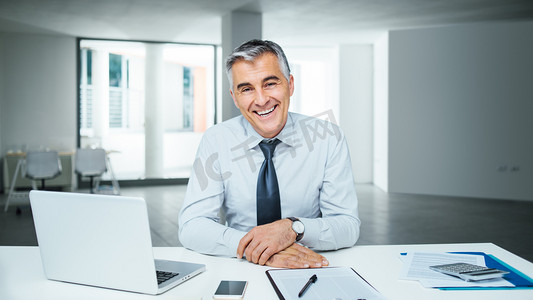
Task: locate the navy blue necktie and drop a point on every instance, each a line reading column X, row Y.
column 268, row 200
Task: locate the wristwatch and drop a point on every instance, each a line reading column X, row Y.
column 298, row 227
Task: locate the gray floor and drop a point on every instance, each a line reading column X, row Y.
column 386, row 219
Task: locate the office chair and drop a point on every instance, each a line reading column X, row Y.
column 42, row 165
column 36, row 165
column 91, row 163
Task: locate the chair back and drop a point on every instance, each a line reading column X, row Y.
column 90, row 162
column 42, row 165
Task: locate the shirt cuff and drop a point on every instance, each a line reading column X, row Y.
column 311, row 233
column 232, row 237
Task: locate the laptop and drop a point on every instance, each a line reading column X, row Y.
column 102, row 241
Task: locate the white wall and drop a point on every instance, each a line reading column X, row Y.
column 38, row 101
column 460, row 111
column 310, row 66
column 356, row 111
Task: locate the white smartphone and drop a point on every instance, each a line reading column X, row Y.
column 230, row 290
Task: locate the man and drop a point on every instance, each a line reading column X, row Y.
column 284, row 180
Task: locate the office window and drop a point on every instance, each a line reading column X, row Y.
column 118, row 92
column 188, row 98
column 86, row 89
column 88, row 65
column 147, row 103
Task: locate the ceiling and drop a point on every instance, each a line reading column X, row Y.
column 298, row 22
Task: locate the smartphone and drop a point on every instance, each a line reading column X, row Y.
column 230, row 290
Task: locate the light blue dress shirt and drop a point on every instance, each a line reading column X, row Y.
column 314, row 175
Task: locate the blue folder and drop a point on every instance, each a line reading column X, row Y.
column 519, row 279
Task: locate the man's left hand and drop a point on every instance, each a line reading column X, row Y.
column 260, row 243
column 297, row 256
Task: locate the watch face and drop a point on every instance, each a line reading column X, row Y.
column 298, row 227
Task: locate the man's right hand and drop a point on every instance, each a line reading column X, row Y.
column 263, row 241
column 297, row 256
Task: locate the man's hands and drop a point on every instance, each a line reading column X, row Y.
column 260, row 243
column 273, row 244
column 297, row 256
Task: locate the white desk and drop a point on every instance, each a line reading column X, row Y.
column 22, row 277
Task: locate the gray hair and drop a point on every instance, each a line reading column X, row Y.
column 251, row 50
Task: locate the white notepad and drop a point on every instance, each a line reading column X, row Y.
column 332, row 283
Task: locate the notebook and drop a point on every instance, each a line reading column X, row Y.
column 102, row 241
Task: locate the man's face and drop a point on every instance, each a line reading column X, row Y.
column 262, row 93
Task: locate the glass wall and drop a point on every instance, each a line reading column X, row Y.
column 147, row 104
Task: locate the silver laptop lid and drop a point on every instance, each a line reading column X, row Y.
column 96, row 240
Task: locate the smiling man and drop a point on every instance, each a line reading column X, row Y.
column 283, row 180
column 262, row 93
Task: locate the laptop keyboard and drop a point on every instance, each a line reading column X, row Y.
column 163, row 276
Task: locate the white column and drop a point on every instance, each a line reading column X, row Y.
column 153, row 111
column 100, row 94
column 237, row 28
column 381, row 113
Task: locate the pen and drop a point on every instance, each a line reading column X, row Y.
column 311, row 280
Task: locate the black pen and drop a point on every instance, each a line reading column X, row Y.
column 311, row 280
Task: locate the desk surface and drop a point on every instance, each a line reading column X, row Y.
column 22, row 277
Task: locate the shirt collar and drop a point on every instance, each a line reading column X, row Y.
column 286, row 134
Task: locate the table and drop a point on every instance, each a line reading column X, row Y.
column 22, row 277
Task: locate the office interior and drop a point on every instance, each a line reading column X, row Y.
column 434, row 99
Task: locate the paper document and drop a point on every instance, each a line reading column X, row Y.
column 416, row 267
column 332, row 283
